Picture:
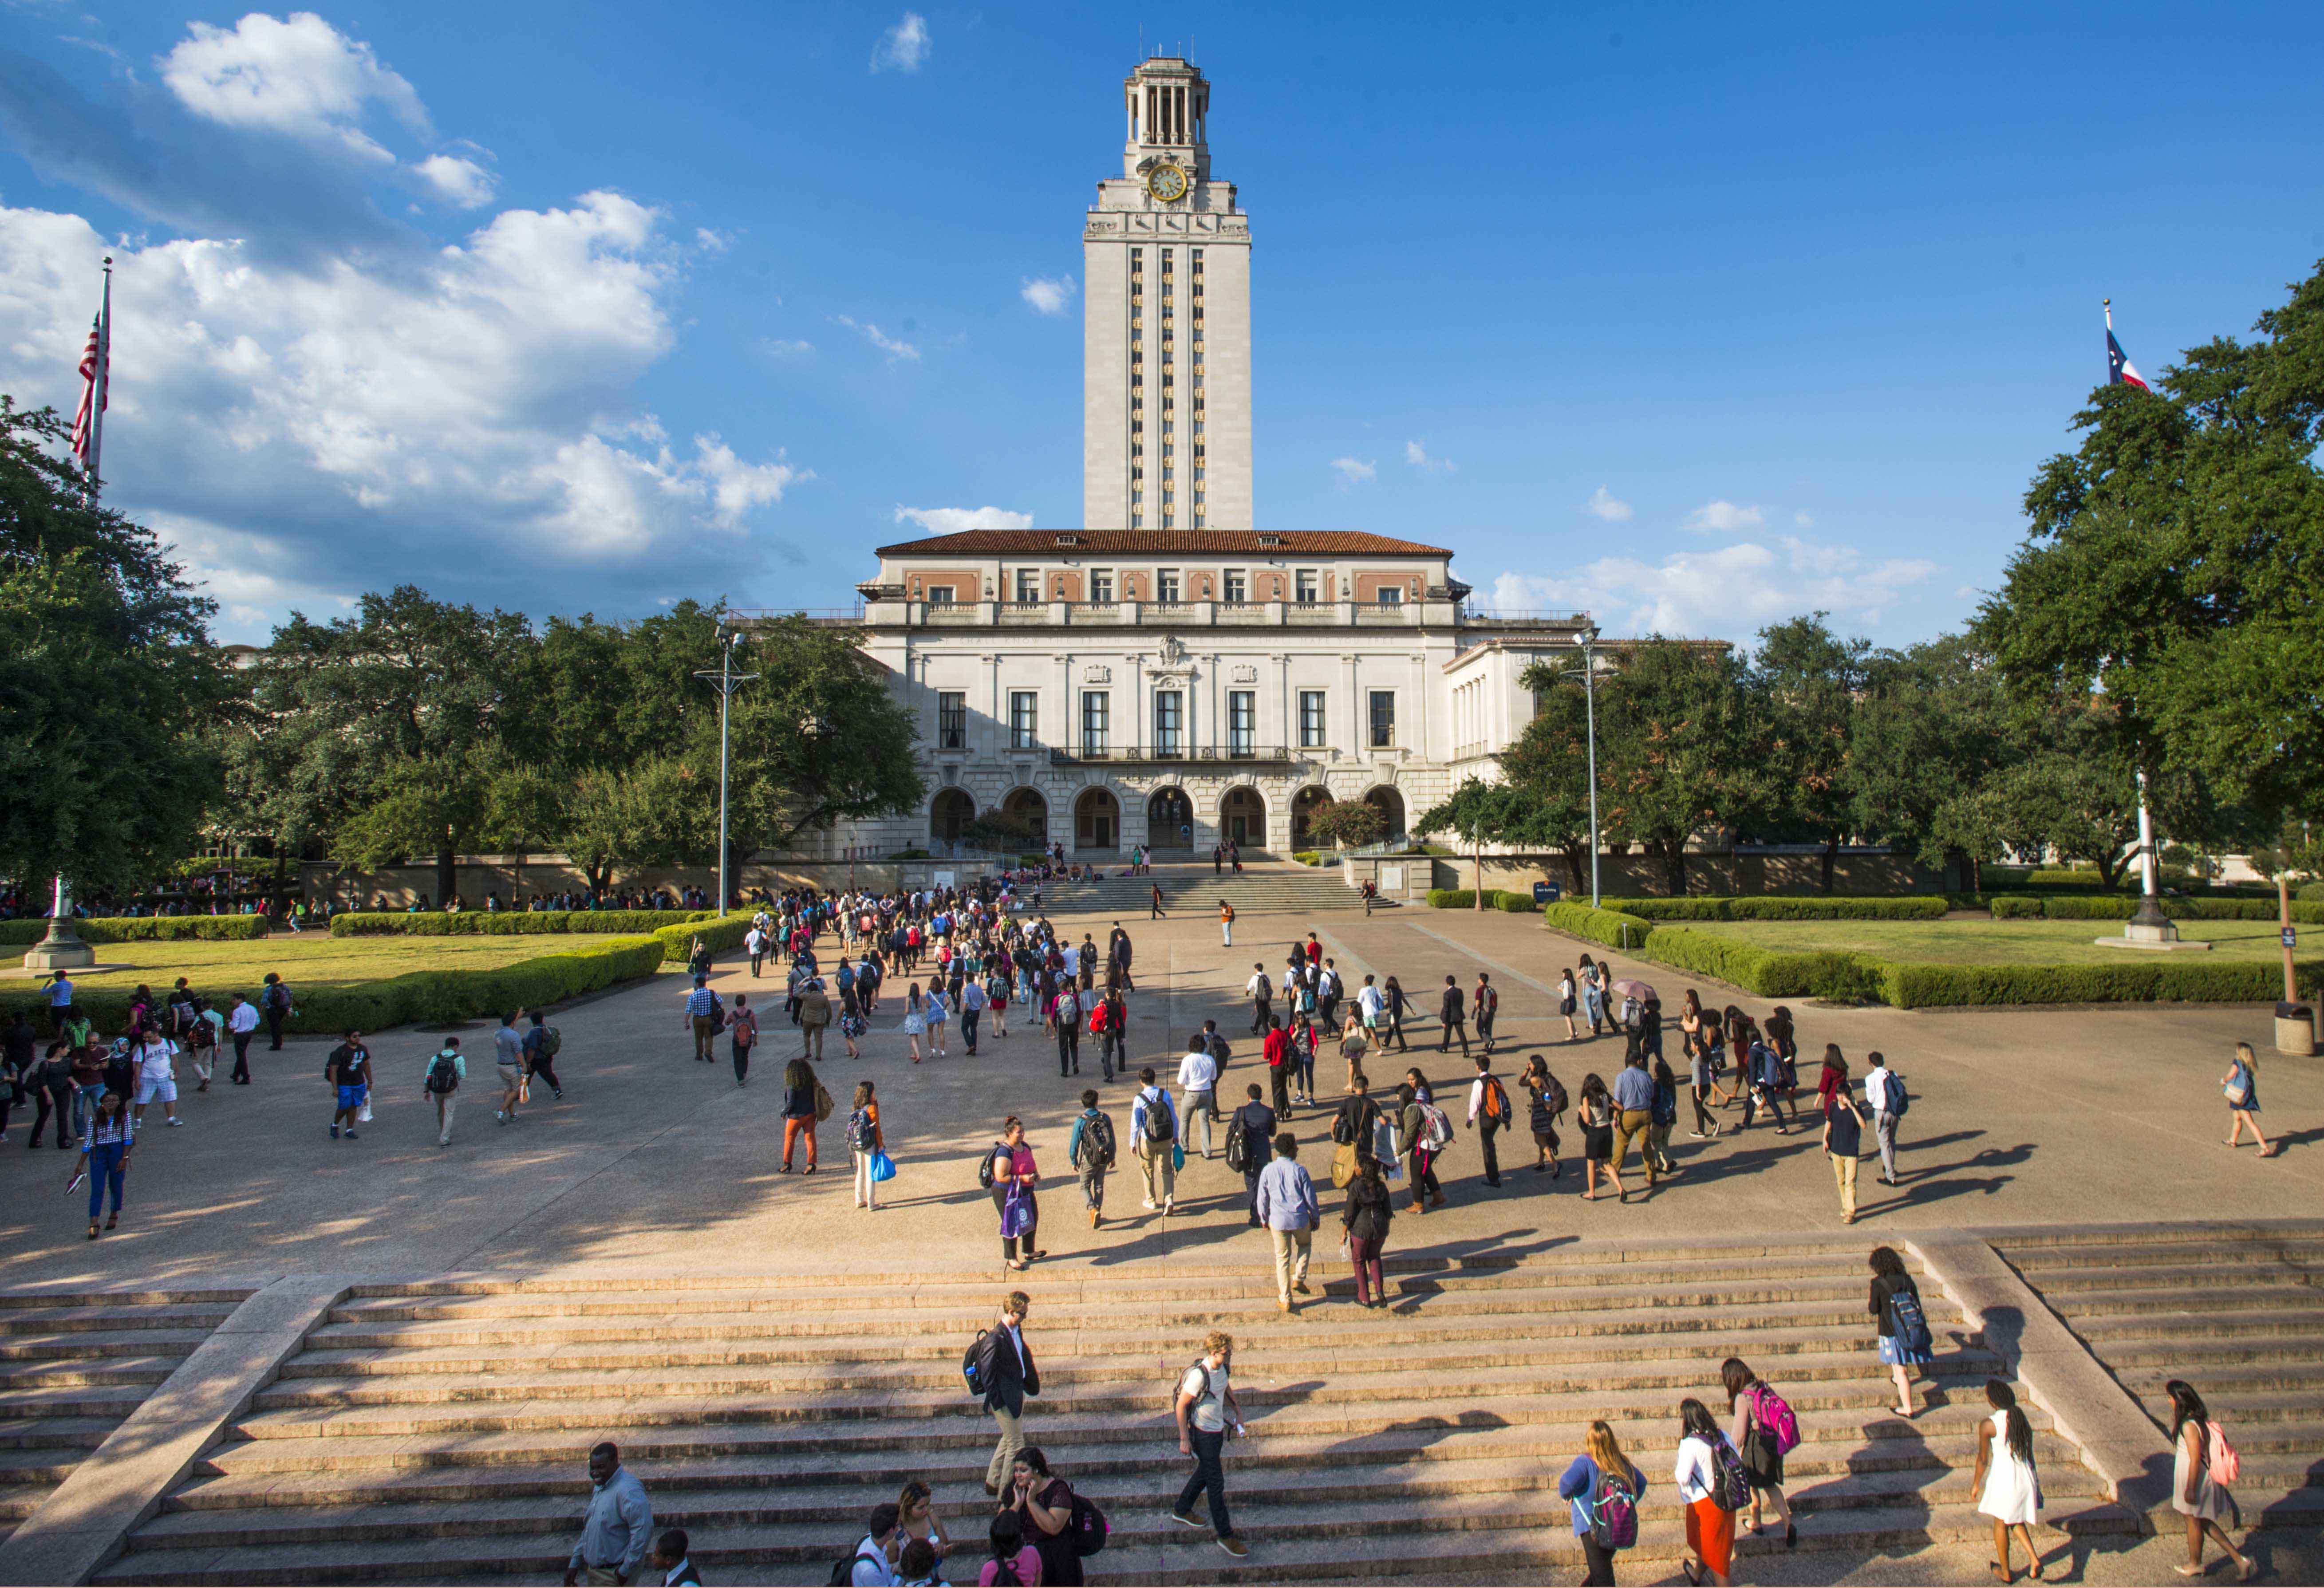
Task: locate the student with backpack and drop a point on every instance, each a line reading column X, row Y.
column 1484, row 1004
column 275, row 999
column 1207, row 1413
column 1603, row 1491
column 1883, row 1094
column 1001, row 1372
column 1423, row 1132
column 864, row 1143
column 1489, row 1105
column 1045, row 1507
column 1545, row 1102
column 1713, row 1487
column 544, row 1042
column 2202, row 1465
column 1154, row 1122
column 1091, row 1150
column 1764, row 1431
column 446, row 1070
column 1906, row 1341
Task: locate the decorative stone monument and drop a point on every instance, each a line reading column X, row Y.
column 61, row 949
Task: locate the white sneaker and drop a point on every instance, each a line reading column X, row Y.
column 1149, row 1205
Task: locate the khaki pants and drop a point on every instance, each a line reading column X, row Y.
column 600, row 1574
column 705, row 1029
column 1634, row 1124
column 1292, row 1248
column 444, row 1106
column 1843, row 1169
column 1195, row 1109
column 1161, row 1174
column 1004, row 1454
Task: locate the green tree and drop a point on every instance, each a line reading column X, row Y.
column 1806, row 681
column 2172, row 561
column 109, row 687
column 1678, row 748
column 1347, row 824
column 1542, row 799
column 1930, row 725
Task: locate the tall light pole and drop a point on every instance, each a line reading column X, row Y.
column 727, row 679
column 1587, row 638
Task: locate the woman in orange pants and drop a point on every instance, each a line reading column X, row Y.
column 1709, row 1526
column 799, row 1089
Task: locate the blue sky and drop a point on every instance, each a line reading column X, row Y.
column 1693, row 316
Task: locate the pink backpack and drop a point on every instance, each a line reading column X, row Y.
column 1772, row 1412
column 2224, row 1465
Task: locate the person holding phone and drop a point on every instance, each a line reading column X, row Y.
column 105, row 1149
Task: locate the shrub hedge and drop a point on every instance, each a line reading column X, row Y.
column 1609, row 927
column 2112, row 907
column 428, row 997
column 143, row 929
column 2135, row 980
column 1770, row 973
column 1451, row 899
column 2312, row 891
column 511, row 923
column 1913, row 907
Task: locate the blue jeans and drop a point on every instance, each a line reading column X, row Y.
column 104, row 1171
column 84, row 1105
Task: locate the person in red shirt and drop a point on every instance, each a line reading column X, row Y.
column 1314, row 950
column 1276, row 1048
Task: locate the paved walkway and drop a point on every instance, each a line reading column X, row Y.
column 652, row 1160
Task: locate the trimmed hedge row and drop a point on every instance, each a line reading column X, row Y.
column 1451, row 899
column 1495, row 899
column 1771, row 972
column 1609, row 927
column 2135, row 980
column 1910, row 906
column 718, row 933
column 509, row 923
column 143, row 929
column 429, row 997
column 2122, row 906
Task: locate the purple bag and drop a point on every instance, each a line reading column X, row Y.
column 1016, row 1214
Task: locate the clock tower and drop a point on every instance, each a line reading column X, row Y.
column 1166, row 375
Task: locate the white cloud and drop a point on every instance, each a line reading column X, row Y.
column 1725, row 518
column 1354, row 471
column 299, row 77
column 466, row 417
column 1607, row 506
column 1048, row 294
column 1731, row 593
column 460, row 181
column 781, row 347
column 903, row 47
column 951, row 520
column 894, row 347
column 1804, row 521
column 1415, row 452
column 711, row 241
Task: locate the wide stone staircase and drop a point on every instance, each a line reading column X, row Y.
column 2238, row 1314
column 74, row 1364
column 438, row 1430
column 1264, row 888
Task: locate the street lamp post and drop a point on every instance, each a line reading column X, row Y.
column 727, row 679
column 1587, row 638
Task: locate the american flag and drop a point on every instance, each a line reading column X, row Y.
column 92, row 395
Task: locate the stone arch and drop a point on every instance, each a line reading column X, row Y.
column 949, row 814
column 1388, row 801
column 1242, row 817
column 1028, row 809
column 1304, row 804
column 1169, row 819
column 1097, row 820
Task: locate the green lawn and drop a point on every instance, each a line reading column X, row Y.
column 310, row 960
column 1992, row 942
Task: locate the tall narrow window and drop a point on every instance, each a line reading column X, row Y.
column 1097, row 711
column 1028, row 584
column 1024, row 719
column 1169, row 722
column 1238, row 585
column 1165, row 582
column 1304, row 585
column 1102, row 585
column 952, row 719
column 1311, row 719
column 1383, row 722
column 1242, row 722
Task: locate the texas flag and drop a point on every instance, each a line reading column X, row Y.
column 2120, row 371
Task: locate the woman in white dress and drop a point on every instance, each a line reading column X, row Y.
column 914, row 1020
column 2195, row 1493
column 2007, row 1487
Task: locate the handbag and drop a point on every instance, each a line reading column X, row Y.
column 883, row 1167
column 1343, row 1164
column 1177, row 1157
column 1016, row 1216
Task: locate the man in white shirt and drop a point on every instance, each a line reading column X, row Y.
column 1198, row 1082
column 1880, row 1089
column 242, row 1022
column 1262, row 994
column 755, row 940
column 1154, row 1129
column 1207, row 1412
column 155, row 1079
column 1369, row 1002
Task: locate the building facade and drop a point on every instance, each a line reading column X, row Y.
column 1169, row 675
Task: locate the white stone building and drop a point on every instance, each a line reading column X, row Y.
column 1168, row 674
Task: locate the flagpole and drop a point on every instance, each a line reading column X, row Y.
column 104, row 379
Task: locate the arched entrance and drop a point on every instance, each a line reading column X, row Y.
column 1097, row 820
column 1242, row 818
column 1305, row 804
column 1389, row 803
column 949, row 815
column 1169, row 821
column 1029, row 810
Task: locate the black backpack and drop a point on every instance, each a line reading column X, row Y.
column 443, row 1076
column 1097, row 1143
column 984, row 1167
column 843, row 1570
column 1160, row 1124
column 1238, row 1144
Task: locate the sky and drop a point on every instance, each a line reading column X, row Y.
column 1694, row 316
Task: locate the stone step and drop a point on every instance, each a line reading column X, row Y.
column 285, row 1442
column 49, row 1321
column 2075, row 1306
column 22, row 1467
column 879, row 1472
column 463, row 1379
column 147, row 1370
column 2290, row 1379
column 225, row 1297
column 55, row 1433
column 83, row 1344
column 2253, row 1331
column 1289, row 1542
column 2297, row 1249
column 2095, row 1284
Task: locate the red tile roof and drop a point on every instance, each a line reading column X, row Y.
column 1163, row 543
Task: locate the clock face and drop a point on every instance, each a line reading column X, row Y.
column 1167, row 183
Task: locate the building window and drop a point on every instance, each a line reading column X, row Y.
column 1383, row 734
column 1391, row 596
column 1198, row 511
column 1137, row 520
column 1102, row 585
column 952, row 719
column 1311, row 719
column 1028, row 584
column 1169, row 722
column 1097, row 712
column 1024, row 719
column 940, row 595
column 1304, row 585
column 1165, row 582
column 1242, row 722
column 1238, row 585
